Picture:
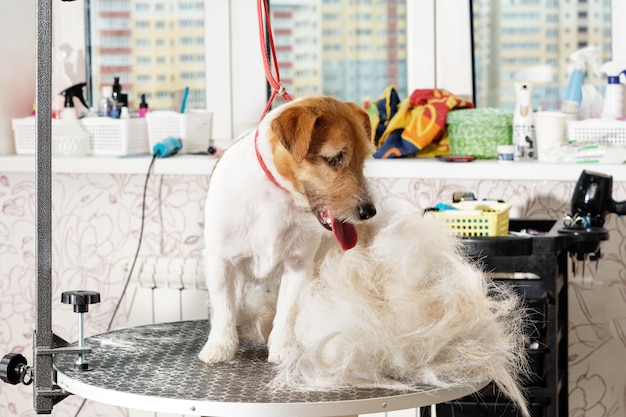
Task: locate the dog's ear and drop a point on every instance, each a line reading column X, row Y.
column 364, row 118
column 294, row 128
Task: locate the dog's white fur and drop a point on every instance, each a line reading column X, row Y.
column 257, row 232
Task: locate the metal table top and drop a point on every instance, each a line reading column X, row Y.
column 156, row 368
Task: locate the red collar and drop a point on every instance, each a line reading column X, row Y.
column 262, row 162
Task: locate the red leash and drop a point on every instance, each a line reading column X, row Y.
column 273, row 79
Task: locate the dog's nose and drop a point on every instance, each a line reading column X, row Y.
column 367, row 211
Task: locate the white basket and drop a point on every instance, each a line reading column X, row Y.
column 108, row 136
column 116, row 136
column 193, row 128
column 24, row 134
column 602, row 131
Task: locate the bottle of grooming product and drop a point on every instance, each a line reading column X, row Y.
column 60, row 82
column 120, row 99
column 70, row 138
column 106, row 102
column 583, row 58
column 523, row 123
column 143, row 106
column 613, row 97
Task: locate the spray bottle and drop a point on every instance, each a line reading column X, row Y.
column 583, row 58
column 60, row 82
column 613, row 105
column 523, row 123
column 70, row 138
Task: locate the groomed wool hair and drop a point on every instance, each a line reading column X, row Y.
column 406, row 308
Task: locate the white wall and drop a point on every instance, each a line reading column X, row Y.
column 17, row 72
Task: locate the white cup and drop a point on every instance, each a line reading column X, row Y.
column 549, row 132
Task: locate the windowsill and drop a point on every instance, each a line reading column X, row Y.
column 390, row 168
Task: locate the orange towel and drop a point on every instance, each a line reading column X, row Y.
column 418, row 122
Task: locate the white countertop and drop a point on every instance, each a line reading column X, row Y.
column 389, row 168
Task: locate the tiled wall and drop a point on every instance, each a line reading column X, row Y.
column 96, row 222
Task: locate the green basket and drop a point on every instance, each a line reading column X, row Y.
column 479, row 132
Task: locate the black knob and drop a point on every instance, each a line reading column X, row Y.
column 11, row 367
column 80, row 299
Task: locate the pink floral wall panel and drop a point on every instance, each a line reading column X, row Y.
column 96, row 225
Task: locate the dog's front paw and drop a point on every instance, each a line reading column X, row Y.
column 216, row 352
column 278, row 355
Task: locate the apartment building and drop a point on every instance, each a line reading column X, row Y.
column 348, row 49
column 531, row 41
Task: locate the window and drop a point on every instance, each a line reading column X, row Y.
column 346, row 50
column 432, row 55
column 152, row 37
column 449, row 63
column 520, row 38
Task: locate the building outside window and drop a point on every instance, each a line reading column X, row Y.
column 161, row 31
column 531, row 41
column 351, row 50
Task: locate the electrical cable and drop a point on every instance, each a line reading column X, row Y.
column 132, row 267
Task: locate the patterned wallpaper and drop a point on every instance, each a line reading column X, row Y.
column 96, row 222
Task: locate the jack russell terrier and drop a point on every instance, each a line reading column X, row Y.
column 272, row 197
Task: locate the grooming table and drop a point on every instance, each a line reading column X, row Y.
column 156, row 368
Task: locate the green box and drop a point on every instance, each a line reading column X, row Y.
column 479, row 132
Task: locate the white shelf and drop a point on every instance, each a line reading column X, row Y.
column 389, row 168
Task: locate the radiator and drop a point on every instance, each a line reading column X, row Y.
column 165, row 289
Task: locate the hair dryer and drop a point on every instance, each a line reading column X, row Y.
column 592, row 200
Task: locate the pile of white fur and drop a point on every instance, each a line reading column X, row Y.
column 406, row 307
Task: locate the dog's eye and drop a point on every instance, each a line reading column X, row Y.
column 334, row 161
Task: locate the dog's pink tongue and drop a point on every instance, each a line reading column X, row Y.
column 345, row 233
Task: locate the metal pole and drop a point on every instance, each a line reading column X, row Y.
column 43, row 337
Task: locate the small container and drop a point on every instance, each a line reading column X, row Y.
column 478, row 132
column 506, row 153
column 476, row 218
column 549, row 133
column 193, row 128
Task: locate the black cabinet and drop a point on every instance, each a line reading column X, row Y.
column 536, row 266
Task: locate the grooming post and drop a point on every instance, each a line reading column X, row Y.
column 43, row 337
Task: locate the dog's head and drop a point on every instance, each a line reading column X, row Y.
column 320, row 145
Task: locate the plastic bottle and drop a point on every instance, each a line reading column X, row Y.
column 106, row 102
column 583, row 58
column 120, row 99
column 613, row 105
column 523, row 123
column 60, row 82
column 143, row 106
column 70, row 138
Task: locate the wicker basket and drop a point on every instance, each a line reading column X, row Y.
column 477, row 218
